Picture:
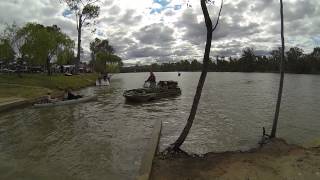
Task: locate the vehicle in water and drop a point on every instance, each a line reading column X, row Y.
column 163, row 89
column 66, row 102
column 104, row 80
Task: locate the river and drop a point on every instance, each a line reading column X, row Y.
column 105, row 139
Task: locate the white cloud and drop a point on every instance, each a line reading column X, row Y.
column 175, row 33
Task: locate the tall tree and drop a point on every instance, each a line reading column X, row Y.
column 11, row 33
column 247, row 60
column 102, row 46
column 6, row 51
column 102, row 54
column 206, row 58
column 43, row 43
column 84, row 10
column 276, row 115
column 294, row 56
column 65, row 56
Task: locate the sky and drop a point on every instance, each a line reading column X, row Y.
column 149, row 31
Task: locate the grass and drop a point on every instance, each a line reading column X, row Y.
column 35, row 85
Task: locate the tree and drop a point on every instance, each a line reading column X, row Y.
column 100, row 63
column 6, row 51
column 276, row 115
column 247, row 60
column 84, row 10
column 65, row 56
column 103, row 58
column 315, row 58
column 11, row 33
column 206, row 58
column 43, row 43
column 294, row 56
column 99, row 45
column 316, row 52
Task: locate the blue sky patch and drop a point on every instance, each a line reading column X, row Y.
column 164, row 5
column 316, row 40
column 66, row 13
column 100, row 33
column 177, row 7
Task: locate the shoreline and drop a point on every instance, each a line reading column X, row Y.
column 15, row 102
column 271, row 72
column 275, row 160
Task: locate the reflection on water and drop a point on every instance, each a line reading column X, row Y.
column 105, row 139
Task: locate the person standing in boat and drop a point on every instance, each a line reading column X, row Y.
column 152, row 80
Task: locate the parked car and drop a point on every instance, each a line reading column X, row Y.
column 6, row 70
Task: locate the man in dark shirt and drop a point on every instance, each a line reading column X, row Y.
column 152, row 80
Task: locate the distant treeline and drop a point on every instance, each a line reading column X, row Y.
column 296, row 62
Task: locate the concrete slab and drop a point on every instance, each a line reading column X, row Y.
column 8, row 103
column 146, row 163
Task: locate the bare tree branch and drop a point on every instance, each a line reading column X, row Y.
column 92, row 2
column 82, row 2
column 217, row 22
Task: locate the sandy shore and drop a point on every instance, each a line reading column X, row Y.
column 275, row 160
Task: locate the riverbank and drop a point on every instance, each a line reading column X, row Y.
column 32, row 86
column 275, row 160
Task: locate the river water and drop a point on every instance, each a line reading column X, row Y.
column 105, row 139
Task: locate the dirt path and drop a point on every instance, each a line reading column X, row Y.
column 275, row 161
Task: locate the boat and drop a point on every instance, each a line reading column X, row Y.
column 66, row 102
column 164, row 89
column 102, row 82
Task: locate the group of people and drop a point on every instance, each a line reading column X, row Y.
column 68, row 95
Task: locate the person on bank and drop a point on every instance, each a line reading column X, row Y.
column 152, row 80
column 68, row 95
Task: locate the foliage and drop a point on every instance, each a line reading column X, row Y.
column 100, row 62
column 6, row 51
column 247, row 60
column 103, row 57
column 10, row 38
column 42, row 43
column 113, row 68
column 99, row 45
column 84, row 10
column 65, row 56
column 305, row 63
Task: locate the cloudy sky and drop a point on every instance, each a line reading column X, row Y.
column 147, row 31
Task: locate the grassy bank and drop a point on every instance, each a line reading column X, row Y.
column 35, row 85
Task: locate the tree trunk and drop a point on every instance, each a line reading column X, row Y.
column 19, row 63
column 48, row 66
column 77, row 63
column 276, row 115
column 176, row 145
